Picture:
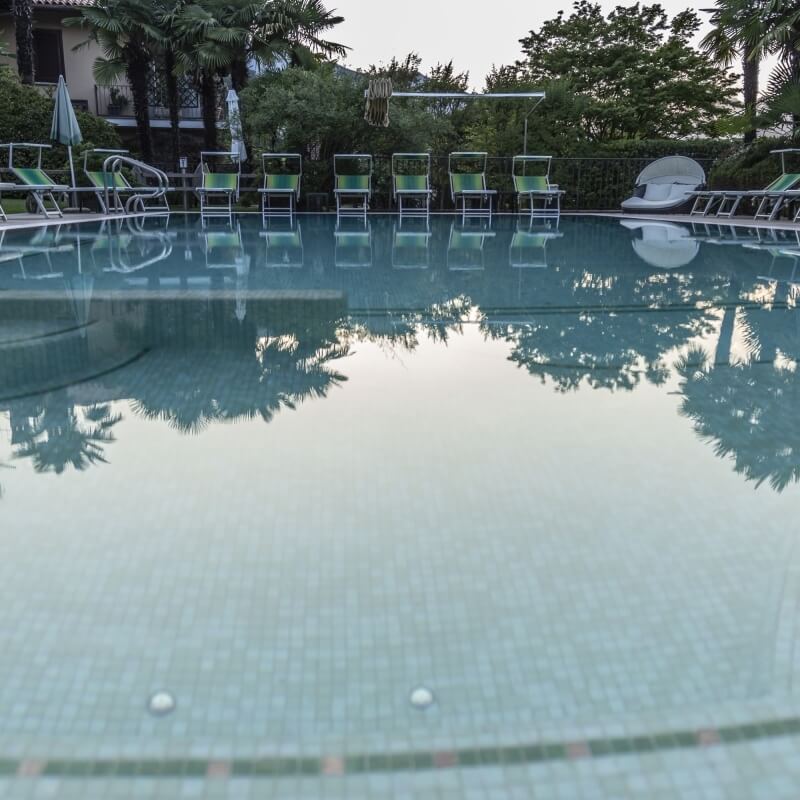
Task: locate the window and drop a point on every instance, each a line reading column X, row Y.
column 48, row 55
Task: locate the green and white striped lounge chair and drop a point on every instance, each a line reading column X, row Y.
column 543, row 197
column 413, row 186
column 115, row 182
column 352, row 188
column 218, row 189
column 771, row 200
column 284, row 185
column 466, row 187
column 34, row 180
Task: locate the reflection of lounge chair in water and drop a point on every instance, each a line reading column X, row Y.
column 411, row 245
column 284, row 246
column 529, row 246
column 224, row 248
column 663, row 245
column 466, row 248
column 120, row 246
column 353, row 248
column 34, row 258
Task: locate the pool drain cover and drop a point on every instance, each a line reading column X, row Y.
column 422, row 698
column 160, row 704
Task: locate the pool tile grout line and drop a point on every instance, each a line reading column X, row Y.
column 419, row 761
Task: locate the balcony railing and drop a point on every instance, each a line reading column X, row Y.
column 117, row 101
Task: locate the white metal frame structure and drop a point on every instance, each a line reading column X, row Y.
column 548, row 196
column 343, row 192
column 481, row 192
column 38, row 191
column 229, row 194
column 290, row 194
column 137, row 203
column 409, row 192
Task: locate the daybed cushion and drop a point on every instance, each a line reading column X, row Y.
column 660, row 197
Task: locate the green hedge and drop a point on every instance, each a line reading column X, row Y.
column 26, row 114
column 752, row 167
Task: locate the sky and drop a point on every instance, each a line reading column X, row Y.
column 474, row 34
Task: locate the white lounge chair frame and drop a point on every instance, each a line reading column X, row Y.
column 550, row 198
column 361, row 196
column 291, row 195
column 39, row 192
column 482, row 194
column 401, row 193
column 725, row 203
column 228, row 194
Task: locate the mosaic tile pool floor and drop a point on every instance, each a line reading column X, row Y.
column 291, row 472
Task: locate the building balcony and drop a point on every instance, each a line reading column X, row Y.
column 115, row 103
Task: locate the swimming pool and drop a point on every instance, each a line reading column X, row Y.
column 447, row 508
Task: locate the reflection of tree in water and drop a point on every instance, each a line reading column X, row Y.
column 610, row 331
column 748, row 412
column 55, row 434
column 192, row 389
column 400, row 331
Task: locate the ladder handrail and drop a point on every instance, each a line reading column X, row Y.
column 114, row 163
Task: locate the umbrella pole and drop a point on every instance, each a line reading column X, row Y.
column 72, row 175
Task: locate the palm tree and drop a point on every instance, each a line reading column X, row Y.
column 23, row 31
column 782, row 35
column 737, row 32
column 129, row 37
column 219, row 37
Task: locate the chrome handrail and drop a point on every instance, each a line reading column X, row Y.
column 114, row 163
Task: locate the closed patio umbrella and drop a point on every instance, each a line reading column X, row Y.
column 235, row 123
column 65, row 128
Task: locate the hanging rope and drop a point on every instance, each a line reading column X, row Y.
column 378, row 94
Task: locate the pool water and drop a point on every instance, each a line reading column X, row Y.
column 291, row 472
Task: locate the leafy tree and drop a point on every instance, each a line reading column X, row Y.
column 635, row 71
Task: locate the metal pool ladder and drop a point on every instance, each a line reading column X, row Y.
column 143, row 199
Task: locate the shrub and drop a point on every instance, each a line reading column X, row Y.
column 26, row 115
column 751, row 166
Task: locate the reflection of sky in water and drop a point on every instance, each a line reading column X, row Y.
column 373, row 470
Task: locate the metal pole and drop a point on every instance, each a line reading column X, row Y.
column 525, row 144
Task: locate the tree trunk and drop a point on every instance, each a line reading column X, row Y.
column 750, row 74
column 138, row 66
column 174, row 103
column 23, row 28
column 239, row 74
column 208, row 96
